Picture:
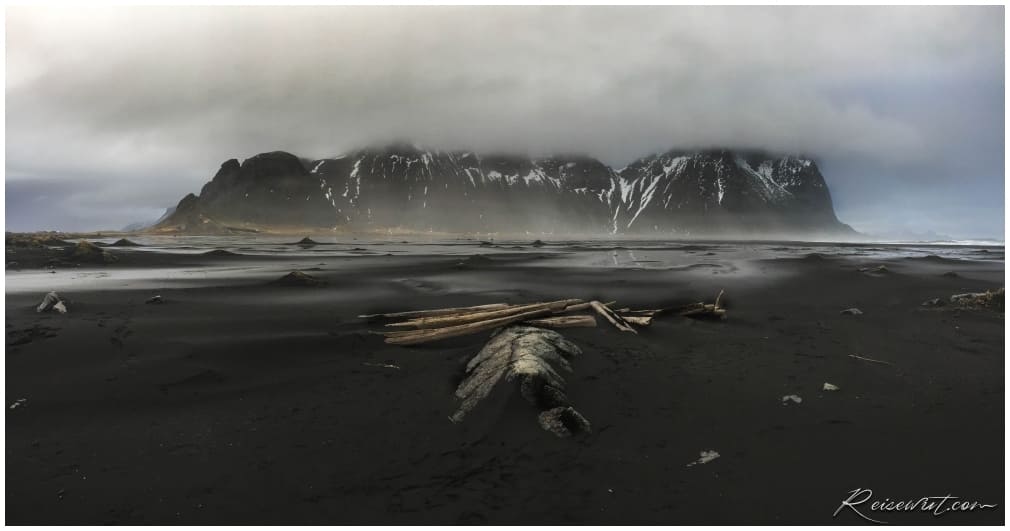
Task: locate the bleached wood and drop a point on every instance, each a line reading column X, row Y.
column 564, row 321
column 436, row 312
column 414, row 337
column 614, row 319
column 453, row 320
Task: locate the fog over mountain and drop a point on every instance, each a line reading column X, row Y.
column 114, row 114
column 685, row 194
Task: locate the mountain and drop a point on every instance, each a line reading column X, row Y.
column 683, row 193
column 137, row 226
column 723, row 190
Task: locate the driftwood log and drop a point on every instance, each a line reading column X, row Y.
column 473, row 317
column 535, row 359
column 424, row 326
column 564, row 321
column 432, row 313
column 614, row 319
column 414, row 337
column 521, row 349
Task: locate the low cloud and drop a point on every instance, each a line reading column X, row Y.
column 137, row 106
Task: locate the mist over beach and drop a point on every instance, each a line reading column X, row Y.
column 424, row 265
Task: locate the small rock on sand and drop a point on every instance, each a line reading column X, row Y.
column 830, row 387
column 155, row 300
column 306, row 242
column 796, row 399
column 934, row 302
column 705, row 456
column 538, row 243
column 123, row 242
column 852, row 311
column 53, row 302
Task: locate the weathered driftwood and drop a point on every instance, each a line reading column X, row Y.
column 554, row 322
column 432, row 313
column 564, row 321
column 986, row 299
column 583, row 306
column 414, row 337
column 870, row 359
column 534, row 357
column 702, row 310
column 434, row 325
column 625, row 312
column 459, row 319
column 638, row 320
column 564, row 421
column 614, row 319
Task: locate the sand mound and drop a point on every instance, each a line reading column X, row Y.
column 297, row 278
column 123, row 242
column 86, row 251
column 931, row 258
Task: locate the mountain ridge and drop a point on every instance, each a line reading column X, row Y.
column 404, row 186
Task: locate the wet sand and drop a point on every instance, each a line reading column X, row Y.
column 240, row 401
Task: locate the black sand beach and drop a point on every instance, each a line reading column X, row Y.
column 243, row 401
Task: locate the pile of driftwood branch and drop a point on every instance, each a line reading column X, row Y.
column 522, row 349
column 425, row 326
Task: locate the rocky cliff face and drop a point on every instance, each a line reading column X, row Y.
column 722, row 190
column 405, row 187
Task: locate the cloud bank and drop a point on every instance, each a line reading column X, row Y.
column 114, row 114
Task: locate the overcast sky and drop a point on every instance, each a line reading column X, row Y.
column 115, row 114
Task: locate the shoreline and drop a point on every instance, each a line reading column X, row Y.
column 296, row 232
